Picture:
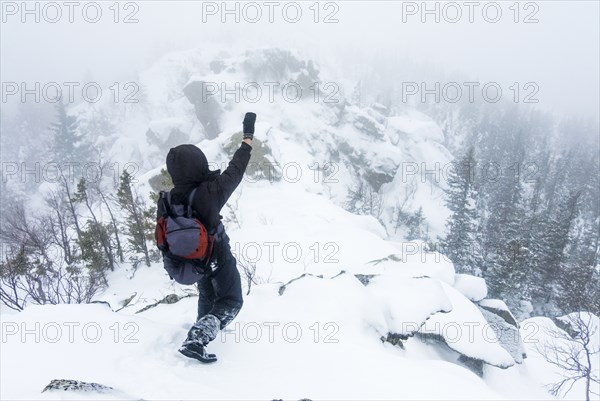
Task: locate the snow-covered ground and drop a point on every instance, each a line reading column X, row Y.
column 318, row 338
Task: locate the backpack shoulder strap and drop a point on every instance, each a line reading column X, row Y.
column 165, row 200
column 190, row 210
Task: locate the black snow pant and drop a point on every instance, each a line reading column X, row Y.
column 220, row 297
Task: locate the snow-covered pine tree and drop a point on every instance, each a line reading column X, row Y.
column 555, row 241
column 579, row 285
column 416, row 226
column 140, row 222
column 97, row 249
column 507, row 261
column 461, row 244
column 68, row 145
column 503, row 137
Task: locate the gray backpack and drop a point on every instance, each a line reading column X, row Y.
column 184, row 241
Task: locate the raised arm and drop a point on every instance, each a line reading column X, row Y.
column 228, row 181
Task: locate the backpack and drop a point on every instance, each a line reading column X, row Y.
column 183, row 239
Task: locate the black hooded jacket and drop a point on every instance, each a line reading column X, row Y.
column 188, row 168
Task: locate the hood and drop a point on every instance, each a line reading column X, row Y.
column 188, row 166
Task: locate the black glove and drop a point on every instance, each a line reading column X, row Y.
column 248, row 123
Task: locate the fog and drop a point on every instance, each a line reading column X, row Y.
column 559, row 52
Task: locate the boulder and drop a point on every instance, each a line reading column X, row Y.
column 365, row 279
column 76, row 385
column 471, row 287
column 403, row 304
column 499, row 308
column 507, row 334
column 465, row 330
column 208, row 109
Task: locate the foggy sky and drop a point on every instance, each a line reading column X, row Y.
column 560, row 52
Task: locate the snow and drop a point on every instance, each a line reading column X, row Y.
column 414, row 260
column 164, row 126
column 573, row 320
column 537, row 332
column 471, row 287
column 417, row 125
column 279, row 341
column 143, row 361
column 500, row 308
column 277, row 229
column 403, row 300
column 466, row 331
column 494, row 304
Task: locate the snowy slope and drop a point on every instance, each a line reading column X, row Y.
column 318, row 338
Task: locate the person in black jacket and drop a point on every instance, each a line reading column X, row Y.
column 220, row 297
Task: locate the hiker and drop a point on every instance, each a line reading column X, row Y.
column 203, row 193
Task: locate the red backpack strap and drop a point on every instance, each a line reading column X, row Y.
column 164, row 211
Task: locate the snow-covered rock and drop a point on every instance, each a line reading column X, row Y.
column 76, row 385
column 415, row 261
column 499, row 307
column 466, row 331
column 408, row 302
column 471, row 287
column 168, row 132
column 507, row 334
column 573, row 323
column 415, row 126
column 208, row 109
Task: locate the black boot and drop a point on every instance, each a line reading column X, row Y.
column 197, row 351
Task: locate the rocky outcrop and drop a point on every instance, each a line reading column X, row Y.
column 475, row 365
column 169, row 299
column 280, row 65
column 507, row 334
column 465, row 330
column 395, row 339
column 173, row 138
column 208, row 109
column 498, row 307
column 472, row 287
column 364, row 278
column 76, row 385
column 284, row 286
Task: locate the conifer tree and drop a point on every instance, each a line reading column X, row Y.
column 139, row 223
column 416, row 225
column 68, row 145
column 461, row 244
